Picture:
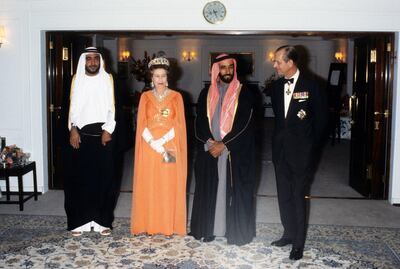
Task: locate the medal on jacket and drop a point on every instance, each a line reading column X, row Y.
column 301, row 114
column 300, row 95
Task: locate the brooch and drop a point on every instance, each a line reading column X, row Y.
column 165, row 112
column 301, row 114
column 300, row 95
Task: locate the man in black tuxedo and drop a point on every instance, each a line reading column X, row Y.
column 300, row 110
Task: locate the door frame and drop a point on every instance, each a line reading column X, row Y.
column 371, row 110
column 347, row 35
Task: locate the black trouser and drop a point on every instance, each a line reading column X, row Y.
column 90, row 186
column 292, row 185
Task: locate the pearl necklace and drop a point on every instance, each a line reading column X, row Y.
column 161, row 96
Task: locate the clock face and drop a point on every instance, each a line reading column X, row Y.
column 214, row 12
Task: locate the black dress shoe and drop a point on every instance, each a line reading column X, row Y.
column 281, row 242
column 208, row 238
column 195, row 236
column 296, row 254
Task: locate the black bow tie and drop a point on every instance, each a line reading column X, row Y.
column 289, row 81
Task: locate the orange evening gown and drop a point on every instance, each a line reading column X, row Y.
column 159, row 189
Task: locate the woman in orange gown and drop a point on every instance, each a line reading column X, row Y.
column 160, row 169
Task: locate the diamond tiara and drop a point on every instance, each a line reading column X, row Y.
column 159, row 61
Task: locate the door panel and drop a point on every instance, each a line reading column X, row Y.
column 63, row 50
column 371, row 94
column 358, row 148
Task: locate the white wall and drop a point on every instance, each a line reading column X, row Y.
column 22, row 59
column 17, row 111
column 394, row 184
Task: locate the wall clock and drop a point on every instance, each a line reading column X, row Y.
column 214, row 12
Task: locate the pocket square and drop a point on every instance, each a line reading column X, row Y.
column 302, row 100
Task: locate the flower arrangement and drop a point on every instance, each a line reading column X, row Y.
column 139, row 68
column 268, row 83
column 13, row 155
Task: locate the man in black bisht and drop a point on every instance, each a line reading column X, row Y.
column 89, row 187
column 224, row 167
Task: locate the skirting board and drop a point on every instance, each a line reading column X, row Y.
column 394, row 201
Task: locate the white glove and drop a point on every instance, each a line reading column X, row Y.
column 157, row 148
column 147, row 135
column 169, row 135
column 156, row 145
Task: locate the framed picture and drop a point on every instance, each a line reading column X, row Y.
column 245, row 62
column 337, row 74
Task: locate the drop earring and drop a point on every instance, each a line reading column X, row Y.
column 152, row 85
column 166, row 84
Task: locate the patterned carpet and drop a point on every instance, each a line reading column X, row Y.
column 43, row 242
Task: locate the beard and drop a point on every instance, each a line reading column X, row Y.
column 227, row 78
column 92, row 70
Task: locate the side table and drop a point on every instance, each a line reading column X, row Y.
column 19, row 171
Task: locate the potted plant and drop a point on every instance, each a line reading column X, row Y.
column 139, row 69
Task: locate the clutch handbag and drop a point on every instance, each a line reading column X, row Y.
column 169, row 157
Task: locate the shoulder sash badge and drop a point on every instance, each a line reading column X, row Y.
column 165, row 112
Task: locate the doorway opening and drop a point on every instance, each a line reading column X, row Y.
column 356, row 70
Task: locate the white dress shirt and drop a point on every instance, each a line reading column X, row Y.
column 288, row 90
column 93, row 101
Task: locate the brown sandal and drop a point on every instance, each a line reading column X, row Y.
column 106, row 232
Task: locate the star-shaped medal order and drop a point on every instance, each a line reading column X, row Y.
column 301, row 114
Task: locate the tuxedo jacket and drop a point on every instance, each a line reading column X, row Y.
column 296, row 137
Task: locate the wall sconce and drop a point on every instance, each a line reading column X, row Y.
column 270, row 56
column 188, row 55
column 339, row 56
column 125, row 55
column 2, row 35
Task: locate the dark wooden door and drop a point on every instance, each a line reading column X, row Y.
column 63, row 50
column 370, row 115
